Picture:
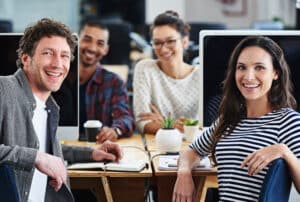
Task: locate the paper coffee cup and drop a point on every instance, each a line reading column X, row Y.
column 92, row 128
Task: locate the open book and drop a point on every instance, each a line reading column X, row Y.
column 169, row 162
column 136, row 165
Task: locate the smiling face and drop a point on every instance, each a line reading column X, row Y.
column 93, row 45
column 48, row 66
column 170, row 43
column 254, row 74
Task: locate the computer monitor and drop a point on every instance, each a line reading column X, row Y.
column 66, row 97
column 215, row 49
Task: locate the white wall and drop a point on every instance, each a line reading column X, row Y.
column 155, row 7
column 23, row 13
column 212, row 11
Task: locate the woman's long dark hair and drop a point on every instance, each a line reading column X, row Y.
column 232, row 108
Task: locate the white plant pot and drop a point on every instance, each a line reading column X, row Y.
column 168, row 140
column 190, row 132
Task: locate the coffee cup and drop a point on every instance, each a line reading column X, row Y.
column 92, row 128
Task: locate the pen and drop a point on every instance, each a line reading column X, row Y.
column 172, row 165
column 106, row 162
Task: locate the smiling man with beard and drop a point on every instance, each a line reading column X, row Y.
column 30, row 154
column 103, row 94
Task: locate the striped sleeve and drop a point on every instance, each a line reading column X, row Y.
column 289, row 133
column 202, row 145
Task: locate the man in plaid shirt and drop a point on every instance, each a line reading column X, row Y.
column 103, row 94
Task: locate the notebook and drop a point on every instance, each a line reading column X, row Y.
column 169, row 162
column 136, row 165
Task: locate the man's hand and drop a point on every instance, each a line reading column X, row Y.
column 53, row 167
column 107, row 151
column 106, row 133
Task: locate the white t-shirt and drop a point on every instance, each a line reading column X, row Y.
column 39, row 181
column 180, row 97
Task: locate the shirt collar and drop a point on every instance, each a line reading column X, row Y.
column 24, row 83
column 96, row 78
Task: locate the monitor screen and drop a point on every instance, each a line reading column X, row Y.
column 66, row 97
column 215, row 49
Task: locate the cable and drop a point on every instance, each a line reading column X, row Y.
column 142, row 150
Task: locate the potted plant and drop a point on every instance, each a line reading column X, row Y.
column 168, row 138
column 190, row 127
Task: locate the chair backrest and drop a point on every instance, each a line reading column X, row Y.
column 277, row 183
column 196, row 27
column 8, row 188
column 6, row 26
column 119, row 43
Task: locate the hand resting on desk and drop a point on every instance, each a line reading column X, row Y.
column 108, row 151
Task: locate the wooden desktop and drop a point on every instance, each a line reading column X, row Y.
column 131, row 186
column 165, row 180
column 115, row 186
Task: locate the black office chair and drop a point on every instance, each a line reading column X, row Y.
column 192, row 51
column 6, row 26
column 276, row 185
column 8, row 188
column 119, row 43
column 196, row 27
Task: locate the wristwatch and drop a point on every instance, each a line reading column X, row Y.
column 118, row 131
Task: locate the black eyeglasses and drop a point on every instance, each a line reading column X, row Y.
column 170, row 43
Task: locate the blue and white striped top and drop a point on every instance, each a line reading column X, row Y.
column 251, row 134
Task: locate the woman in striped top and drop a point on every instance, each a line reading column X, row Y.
column 256, row 125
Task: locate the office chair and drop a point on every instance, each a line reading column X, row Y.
column 276, row 185
column 8, row 188
column 192, row 51
column 6, row 26
column 196, row 27
column 119, row 43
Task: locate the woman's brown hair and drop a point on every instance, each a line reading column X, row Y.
column 171, row 18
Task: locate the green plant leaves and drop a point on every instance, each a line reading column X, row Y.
column 190, row 122
column 168, row 122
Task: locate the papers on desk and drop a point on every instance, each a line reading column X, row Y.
column 169, row 162
column 136, row 166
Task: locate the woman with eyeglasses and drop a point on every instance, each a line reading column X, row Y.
column 166, row 85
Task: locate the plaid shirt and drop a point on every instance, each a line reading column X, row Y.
column 107, row 100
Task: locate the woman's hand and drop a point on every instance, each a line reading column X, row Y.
column 259, row 159
column 184, row 187
column 179, row 124
column 154, row 115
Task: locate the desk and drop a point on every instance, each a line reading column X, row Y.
column 124, row 186
column 165, row 180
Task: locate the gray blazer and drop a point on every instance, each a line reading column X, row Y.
column 18, row 141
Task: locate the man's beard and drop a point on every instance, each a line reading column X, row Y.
column 88, row 65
